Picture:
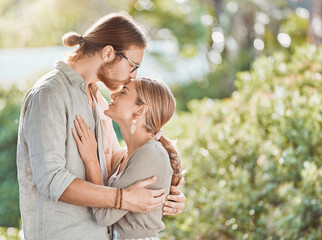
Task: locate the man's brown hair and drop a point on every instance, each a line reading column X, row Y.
column 116, row 30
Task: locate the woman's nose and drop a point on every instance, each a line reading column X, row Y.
column 113, row 96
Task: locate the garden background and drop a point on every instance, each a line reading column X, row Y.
column 247, row 78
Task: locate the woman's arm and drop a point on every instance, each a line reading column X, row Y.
column 87, row 147
column 146, row 162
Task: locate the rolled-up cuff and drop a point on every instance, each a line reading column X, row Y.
column 59, row 184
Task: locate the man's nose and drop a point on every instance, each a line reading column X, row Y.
column 133, row 74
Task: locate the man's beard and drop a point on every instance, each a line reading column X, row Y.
column 106, row 73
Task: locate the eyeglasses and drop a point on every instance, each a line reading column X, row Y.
column 135, row 66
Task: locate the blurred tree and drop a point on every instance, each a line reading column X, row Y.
column 35, row 23
column 233, row 32
column 254, row 166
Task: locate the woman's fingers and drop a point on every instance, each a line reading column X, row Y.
column 170, row 211
column 175, row 202
column 172, row 207
column 82, row 125
column 83, row 122
column 87, row 128
column 79, row 130
column 76, row 137
column 180, row 198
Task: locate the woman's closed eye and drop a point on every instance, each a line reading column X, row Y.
column 123, row 90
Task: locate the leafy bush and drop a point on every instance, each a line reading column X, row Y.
column 254, row 165
column 10, row 103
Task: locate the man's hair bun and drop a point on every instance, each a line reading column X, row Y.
column 72, row 39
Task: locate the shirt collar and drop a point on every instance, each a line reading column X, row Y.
column 72, row 75
column 74, row 78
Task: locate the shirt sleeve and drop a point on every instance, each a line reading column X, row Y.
column 45, row 134
column 145, row 163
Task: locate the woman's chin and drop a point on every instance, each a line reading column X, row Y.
column 107, row 112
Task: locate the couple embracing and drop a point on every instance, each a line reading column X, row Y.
column 75, row 181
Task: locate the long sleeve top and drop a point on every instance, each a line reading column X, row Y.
column 149, row 160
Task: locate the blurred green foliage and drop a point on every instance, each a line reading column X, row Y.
column 35, row 23
column 254, row 165
column 189, row 25
column 253, row 159
column 10, row 233
column 10, row 103
column 217, row 84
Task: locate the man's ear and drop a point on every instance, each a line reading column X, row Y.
column 108, row 53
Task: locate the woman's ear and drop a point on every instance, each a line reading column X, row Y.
column 142, row 110
column 108, row 53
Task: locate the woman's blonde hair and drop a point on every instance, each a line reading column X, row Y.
column 161, row 106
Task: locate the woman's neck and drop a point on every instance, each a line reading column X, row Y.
column 136, row 140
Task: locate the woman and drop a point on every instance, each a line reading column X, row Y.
column 141, row 108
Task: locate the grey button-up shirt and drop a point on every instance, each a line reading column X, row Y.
column 48, row 159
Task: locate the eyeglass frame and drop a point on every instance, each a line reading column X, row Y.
column 135, row 66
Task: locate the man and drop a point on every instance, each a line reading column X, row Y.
column 54, row 195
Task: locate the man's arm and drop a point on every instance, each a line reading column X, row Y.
column 146, row 162
column 44, row 129
column 136, row 198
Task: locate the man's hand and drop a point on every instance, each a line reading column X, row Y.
column 175, row 202
column 137, row 198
